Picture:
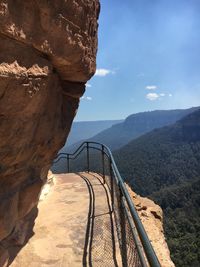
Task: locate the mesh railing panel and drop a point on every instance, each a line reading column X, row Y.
column 129, row 253
column 132, row 256
column 118, row 220
column 100, row 239
column 103, row 248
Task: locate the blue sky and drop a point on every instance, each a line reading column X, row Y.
column 148, row 58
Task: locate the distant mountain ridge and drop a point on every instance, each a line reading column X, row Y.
column 85, row 129
column 136, row 125
column 155, row 148
column 165, row 166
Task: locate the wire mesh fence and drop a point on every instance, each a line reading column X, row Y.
column 128, row 248
column 134, row 246
column 100, row 239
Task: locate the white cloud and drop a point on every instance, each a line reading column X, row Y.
column 89, row 98
column 152, row 96
column 170, row 95
column 103, row 72
column 88, row 85
column 151, row 87
column 162, row 94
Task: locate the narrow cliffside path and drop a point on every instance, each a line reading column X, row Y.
column 75, row 226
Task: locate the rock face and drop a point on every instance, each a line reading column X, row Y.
column 151, row 216
column 47, row 53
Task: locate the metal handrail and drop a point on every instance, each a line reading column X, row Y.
column 147, row 247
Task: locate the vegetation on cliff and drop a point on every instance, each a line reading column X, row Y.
column 165, row 166
column 134, row 126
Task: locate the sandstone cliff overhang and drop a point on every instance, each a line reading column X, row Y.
column 47, row 53
column 65, row 32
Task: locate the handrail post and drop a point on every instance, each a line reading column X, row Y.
column 68, row 163
column 103, row 163
column 123, row 231
column 112, row 184
column 88, row 158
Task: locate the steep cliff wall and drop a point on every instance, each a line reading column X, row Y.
column 47, row 53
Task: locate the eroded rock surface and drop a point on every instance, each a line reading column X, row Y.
column 47, row 53
column 151, row 216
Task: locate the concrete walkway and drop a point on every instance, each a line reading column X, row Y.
column 74, row 227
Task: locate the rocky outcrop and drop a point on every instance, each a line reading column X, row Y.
column 151, row 216
column 47, row 53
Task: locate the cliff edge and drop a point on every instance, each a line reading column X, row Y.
column 151, row 216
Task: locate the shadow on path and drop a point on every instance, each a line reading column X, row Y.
column 100, row 246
